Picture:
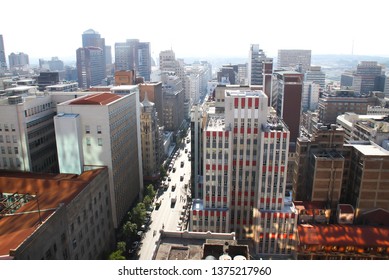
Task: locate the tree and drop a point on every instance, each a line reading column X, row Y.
column 147, row 201
column 121, row 246
column 149, row 191
column 162, row 171
column 129, row 229
column 116, row 255
column 139, row 214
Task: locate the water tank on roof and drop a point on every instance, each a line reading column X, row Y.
column 239, row 258
column 225, row 257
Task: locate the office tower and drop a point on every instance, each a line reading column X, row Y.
column 134, row 55
column 55, row 217
column 54, row 64
column 315, row 74
column 287, row 88
column 298, row 60
column 27, row 136
column 241, row 183
column 144, row 60
column 47, row 79
column 173, row 102
column 3, row 62
column 338, row 102
column 310, row 97
column 368, row 71
column 255, row 65
column 104, row 129
column 152, row 151
column 18, row 61
column 91, row 72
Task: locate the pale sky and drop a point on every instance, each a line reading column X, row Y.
column 199, row 28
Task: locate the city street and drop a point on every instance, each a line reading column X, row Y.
column 167, row 216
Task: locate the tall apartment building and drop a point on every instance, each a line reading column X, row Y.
column 3, row 62
column 367, row 71
column 287, row 90
column 18, row 61
column 299, row 60
column 152, row 148
column 90, row 70
column 104, row 129
column 244, row 164
column 134, row 55
column 55, row 217
column 255, row 65
column 27, row 137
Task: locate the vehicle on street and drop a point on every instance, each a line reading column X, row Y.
column 174, row 169
column 182, row 178
column 158, row 204
column 186, row 150
column 134, row 247
column 169, row 179
column 173, row 201
column 182, row 163
column 174, row 187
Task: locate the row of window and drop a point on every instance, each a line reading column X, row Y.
column 10, row 162
column 7, row 127
column 37, row 109
column 8, row 139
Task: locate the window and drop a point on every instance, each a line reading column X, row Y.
column 1, row 139
column 100, row 141
column 88, row 141
column 99, row 129
column 87, row 129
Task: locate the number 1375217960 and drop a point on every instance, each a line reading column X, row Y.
column 237, row 270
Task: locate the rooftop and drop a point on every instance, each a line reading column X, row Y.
column 96, row 99
column 343, row 235
column 52, row 190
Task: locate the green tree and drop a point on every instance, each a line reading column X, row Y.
column 162, row 171
column 121, row 246
column 116, row 255
column 149, row 191
column 147, row 201
column 139, row 214
column 129, row 230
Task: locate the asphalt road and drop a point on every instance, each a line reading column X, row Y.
column 167, row 216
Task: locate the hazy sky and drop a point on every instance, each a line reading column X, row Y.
column 199, row 28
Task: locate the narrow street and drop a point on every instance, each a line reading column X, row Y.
column 168, row 215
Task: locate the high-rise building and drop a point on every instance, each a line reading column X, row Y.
column 310, row 97
column 104, row 129
column 298, row 60
column 255, row 65
column 27, row 137
column 368, row 71
column 240, row 183
column 91, row 72
column 134, row 55
column 287, row 89
column 18, row 61
column 173, row 102
column 3, row 62
column 315, row 74
column 152, row 152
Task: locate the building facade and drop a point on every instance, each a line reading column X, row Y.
column 90, row 70
column 57, row 217
column 299, row 60
column 104, row 129
column 255, row 65
column 3, row 62
column 242, row 184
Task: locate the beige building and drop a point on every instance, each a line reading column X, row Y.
column 55, row 217
column 104, row 129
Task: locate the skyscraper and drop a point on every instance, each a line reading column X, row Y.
column 299, row 60
column 91, row 38
column 18, row 61
column 255, row 65
column 134, row 55
column 242, row 179
column 91, row 72
column 3, row 62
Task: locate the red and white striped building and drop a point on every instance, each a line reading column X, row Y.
column 245, row 155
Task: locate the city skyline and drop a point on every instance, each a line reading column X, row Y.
column 199, row 29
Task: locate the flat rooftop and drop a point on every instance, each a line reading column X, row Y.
column 51, row 189
column 96, row 99
column 343, row 235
